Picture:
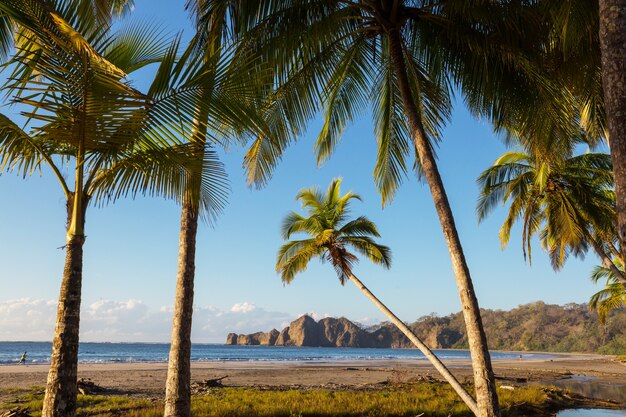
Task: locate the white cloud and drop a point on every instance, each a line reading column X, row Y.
column 134, row 321
column 244, row 307
column 27, row 319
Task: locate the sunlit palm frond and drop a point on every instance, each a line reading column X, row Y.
column 346, row 94
column 568, row 202
column 294, row 257
column 330, row 235
column 379, row 254
column 361, row 226
column 295, row 223
column 612, row 296
column 136, row 45
column 164, row 172
column 392, row 133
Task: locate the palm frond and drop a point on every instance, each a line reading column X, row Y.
column 329, row 235
column 379, row 254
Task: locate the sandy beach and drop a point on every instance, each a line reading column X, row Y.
column 148, row 380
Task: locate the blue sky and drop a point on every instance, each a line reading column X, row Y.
column 131, row 248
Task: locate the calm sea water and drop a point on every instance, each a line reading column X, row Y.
column 39, row 353
column 591, row 413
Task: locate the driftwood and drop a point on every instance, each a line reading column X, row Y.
column 15, row 412
column 201, row 387
column 87, row 387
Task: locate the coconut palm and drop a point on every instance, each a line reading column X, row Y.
column 82, row 113
column 92, row 13
column 590, row 39
column 570, row 203
column 612, row 296
column 332, row 237
column 242, row 74
column 612, row 34
column 401, row 58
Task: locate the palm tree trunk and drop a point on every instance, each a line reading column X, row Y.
column 178, row 385
column 443, row 370
column 61, row 387
column 613, row 50
column 484, row 381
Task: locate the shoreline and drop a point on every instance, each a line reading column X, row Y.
column 147, row 380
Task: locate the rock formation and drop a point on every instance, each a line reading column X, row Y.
column 536, row 326
column 328, row 332
column 258, row 338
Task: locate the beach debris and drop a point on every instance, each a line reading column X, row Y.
column 202, row 387
column 15, row 412
column 87, row 387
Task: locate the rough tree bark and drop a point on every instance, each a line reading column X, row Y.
column 484, row 380
column 443, row 370
column 613, row 50
column 178, row 384
column 178, row 389
column 61, row 388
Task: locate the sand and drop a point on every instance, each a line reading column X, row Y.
column 148, row 380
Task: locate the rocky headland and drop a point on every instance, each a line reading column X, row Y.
column 536, row 326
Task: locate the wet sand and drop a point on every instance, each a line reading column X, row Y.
column 148, row 380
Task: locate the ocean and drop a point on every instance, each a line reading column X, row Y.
column 39, row 353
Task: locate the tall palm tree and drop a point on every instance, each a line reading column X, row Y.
column 239, row 79
column 82, row 113
column 401, row 58
column 612, row 34
column 569, row 203
column 331, row 237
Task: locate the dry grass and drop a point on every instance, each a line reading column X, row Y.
column 405, row 400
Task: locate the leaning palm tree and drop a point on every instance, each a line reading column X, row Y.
column 400, row 58
column 612, row 296
column 331, row 237
column 82, row 113
column 570, row 203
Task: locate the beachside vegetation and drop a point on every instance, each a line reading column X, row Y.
column 230, row 107
column 82, row 114
column 401, row 59
column 568, row 201
column 404, row 400
column 529, row 67
column 331, row 237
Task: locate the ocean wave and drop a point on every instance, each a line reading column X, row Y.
column 102, row 353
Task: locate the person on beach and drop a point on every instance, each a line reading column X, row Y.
column 23, row 359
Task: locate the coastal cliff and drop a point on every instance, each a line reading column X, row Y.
column 536, row 326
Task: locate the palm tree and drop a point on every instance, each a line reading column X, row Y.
column 612, row 34
column 82, row 113
column 401, row 58
column 590, row 39
column 237, row 80
column 331, row 236
column 569, row 203
column 612, row 296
